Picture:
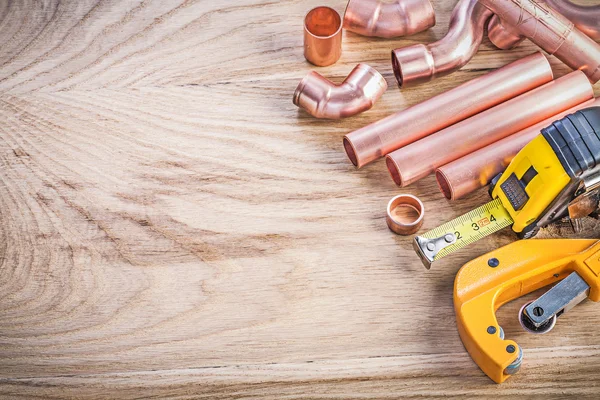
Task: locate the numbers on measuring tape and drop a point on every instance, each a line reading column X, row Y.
column 472, row 226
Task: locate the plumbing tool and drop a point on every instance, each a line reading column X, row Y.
column 556, row 175
column 486, row 283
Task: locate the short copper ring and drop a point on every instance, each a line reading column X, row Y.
column 404, row 227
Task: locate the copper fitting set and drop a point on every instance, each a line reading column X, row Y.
column 469, row 134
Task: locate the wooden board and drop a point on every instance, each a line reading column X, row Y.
column 172, row 226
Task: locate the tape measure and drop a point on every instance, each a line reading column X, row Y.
column 462, row 231
column 548, row 175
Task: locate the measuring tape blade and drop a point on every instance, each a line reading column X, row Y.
column 462, row 231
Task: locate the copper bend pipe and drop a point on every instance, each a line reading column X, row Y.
column 551, row 31
column 420, row 63
column 388, row 19
column 421, row 158
column 476, row 170
column 322, row 98
column 585, row 18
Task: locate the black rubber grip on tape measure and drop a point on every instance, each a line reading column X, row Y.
column 576, row 140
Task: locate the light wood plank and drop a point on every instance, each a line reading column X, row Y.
column 172, row 226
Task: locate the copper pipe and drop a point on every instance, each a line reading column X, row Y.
column 551, row 31
column 476, row 170
column 322, row 36
column 419, row 159
column 380, row 138
column 502, row 37
column 585, row 18
column 322, row 98
column 421, row 63
column 388, row 19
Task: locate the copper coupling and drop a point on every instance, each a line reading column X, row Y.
column 388, row 19
column 400, row 224
column 322, row 36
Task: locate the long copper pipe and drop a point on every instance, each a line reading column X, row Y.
column 551, row 31
column 421, row 63
column 322, row 98
column 388, row 19
column 380, row 138
column 585, row 18
column 476, row 170
column 419, row 159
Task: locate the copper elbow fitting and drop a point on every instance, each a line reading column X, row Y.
column 502, row 37
column 388, row 19
column 322, row 98
column 322, row 36
column 421, row 63
column 551, row 31
column 585, row 18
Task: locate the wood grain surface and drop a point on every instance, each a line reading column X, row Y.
column 171, row 225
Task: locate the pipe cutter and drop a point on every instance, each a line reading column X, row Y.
column 486, row 283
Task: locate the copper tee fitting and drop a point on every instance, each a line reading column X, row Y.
column 421, row 63
column 388, row 19
column 551, row 31
column 585, row 18
column 322, row 36
column 322, row 98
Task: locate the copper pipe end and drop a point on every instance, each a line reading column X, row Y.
column 402, row 225
column 501, row 36
column 388, row 19
column 551, row 31
column 322, row 98
column 444, row 184
column 350, row 151
column 322, row 36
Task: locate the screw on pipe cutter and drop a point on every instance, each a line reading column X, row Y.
column 486, row 283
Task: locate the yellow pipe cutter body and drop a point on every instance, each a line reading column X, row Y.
column 486, row 283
